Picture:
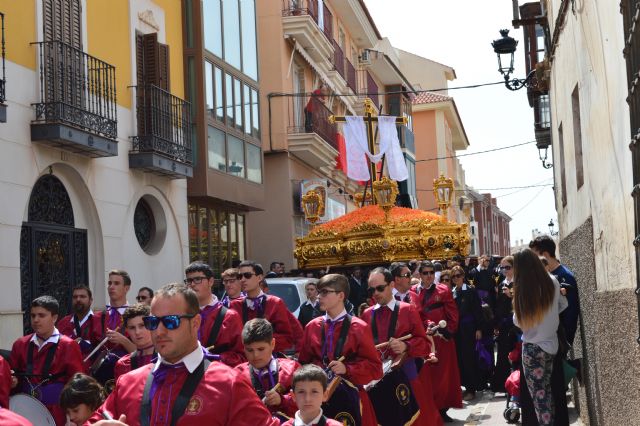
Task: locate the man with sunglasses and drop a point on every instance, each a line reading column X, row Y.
column 402, row 284
column 436, row 304
column 220, row 328
column 389, row 320
column 145, row 294
column 257, row 304
column 343, row 346
column 183, row 387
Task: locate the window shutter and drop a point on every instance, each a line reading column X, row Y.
column 163, row 67
column 150, row 58
column 62, row 21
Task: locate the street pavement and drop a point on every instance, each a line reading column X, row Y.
column 487, row 409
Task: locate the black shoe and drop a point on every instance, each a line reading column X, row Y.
column 445, row 416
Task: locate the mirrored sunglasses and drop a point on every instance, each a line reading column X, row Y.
column 170, row 322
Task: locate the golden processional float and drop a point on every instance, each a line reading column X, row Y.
column 380, row 232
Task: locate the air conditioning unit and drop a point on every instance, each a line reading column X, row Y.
column 365, row 57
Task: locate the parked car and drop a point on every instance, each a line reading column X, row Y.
column 290, row 290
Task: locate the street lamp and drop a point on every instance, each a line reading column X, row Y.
column 505, row 48
column 312, row 204
column 443, row 191
column 551, row 226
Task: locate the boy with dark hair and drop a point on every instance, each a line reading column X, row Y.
column 220, row 327
column 343, row 345
column 140, row 336
column 257, row 304
column 80, row 398
column 83, row 325
column 46, row 360
column 309, row 392
column 271, row 377
column 543, row 245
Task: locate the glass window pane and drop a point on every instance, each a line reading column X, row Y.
column 216, row 149
column 212, row 26
column 203, row 235
column 249, row 48
column 247, row 109
column 236, row 156
column 193, row 233
column 233, row 237
column 208, row 86
column 229, row 98
column 231, row 18
column 254, row 163
column 237, row 90
column 219, row 92
column 224, row 247
column 214, row 260
column 255, row 116
column 241, row 237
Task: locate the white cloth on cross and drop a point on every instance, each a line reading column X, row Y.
column 355, row 135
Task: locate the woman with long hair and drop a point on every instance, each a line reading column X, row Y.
column 537, row 304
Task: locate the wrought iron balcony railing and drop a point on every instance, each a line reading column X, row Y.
column 301, row 120
column 311, row 8
column 3, row 83
column 164, row 124
column 338, row 59
column 351, row 75
column 76, row 89
column 368, row 87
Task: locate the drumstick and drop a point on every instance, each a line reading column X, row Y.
column 383, row 344
column 107, row 415
column 96, row 349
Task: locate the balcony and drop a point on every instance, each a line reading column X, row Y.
column 338, row 60
column 301, row 21
column 367, row 87
column 3, row 82
column 163, row 143
column 351, row 75
column 77, row 110
column 311, row 137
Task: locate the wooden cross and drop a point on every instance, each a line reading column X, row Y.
column 369, row 119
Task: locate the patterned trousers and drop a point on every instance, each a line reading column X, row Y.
column 537, row 366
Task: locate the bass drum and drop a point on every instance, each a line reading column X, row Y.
column 31, row 409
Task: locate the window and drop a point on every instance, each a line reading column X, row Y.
column 219, row 95
column 255, row 115
column 217, row 149
column 254, row 163
column 208, row 86
column 577, row 136
column 229, row 98
column 247, row 109
column 231, row 30
column 236, row 156
column 563, row 181
column 249, row 44
column 237, row 103
column 212, row 26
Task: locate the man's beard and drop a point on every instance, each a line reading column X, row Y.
column 80, row 308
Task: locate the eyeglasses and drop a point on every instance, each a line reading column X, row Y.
column 141, row 298
column 506, row 268
column 246, row 275
column 444, row 280
column 378, row 288
column 194, row 280
column 457, row 276
column 170, row 322
column 427, row 272
column 325, row 291
column 407, row 275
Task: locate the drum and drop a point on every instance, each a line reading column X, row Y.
column 392, row 397
column 344, row 403
column 31, row 409
column 103, row 366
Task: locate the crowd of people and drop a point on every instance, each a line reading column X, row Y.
column 395, row 345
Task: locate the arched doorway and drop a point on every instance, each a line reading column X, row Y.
column 53, row 253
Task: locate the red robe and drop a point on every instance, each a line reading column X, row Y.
column 443, row 375
column 90, row 330
column 286, row 368
column 5, row 383
column 409, row 323
column 361, row 357
column 9, row 418
column 66, row 362
column 229, row 342
column 123, row 365
column 275, row 312
column 297, row 330
column 222, row 398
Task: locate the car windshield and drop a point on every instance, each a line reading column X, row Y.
column 287, row 292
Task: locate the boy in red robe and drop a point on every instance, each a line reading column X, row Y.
column 257, row 304
column 271, row 377
column 45, row 360
column 436, row 304
column 350, row 354
column 404, row 319
column 221, row 327
column 140, row 336
column 83, row 326
column 310, row 391
column 210, row 392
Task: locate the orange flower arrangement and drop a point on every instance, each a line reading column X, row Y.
column 375, row 215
